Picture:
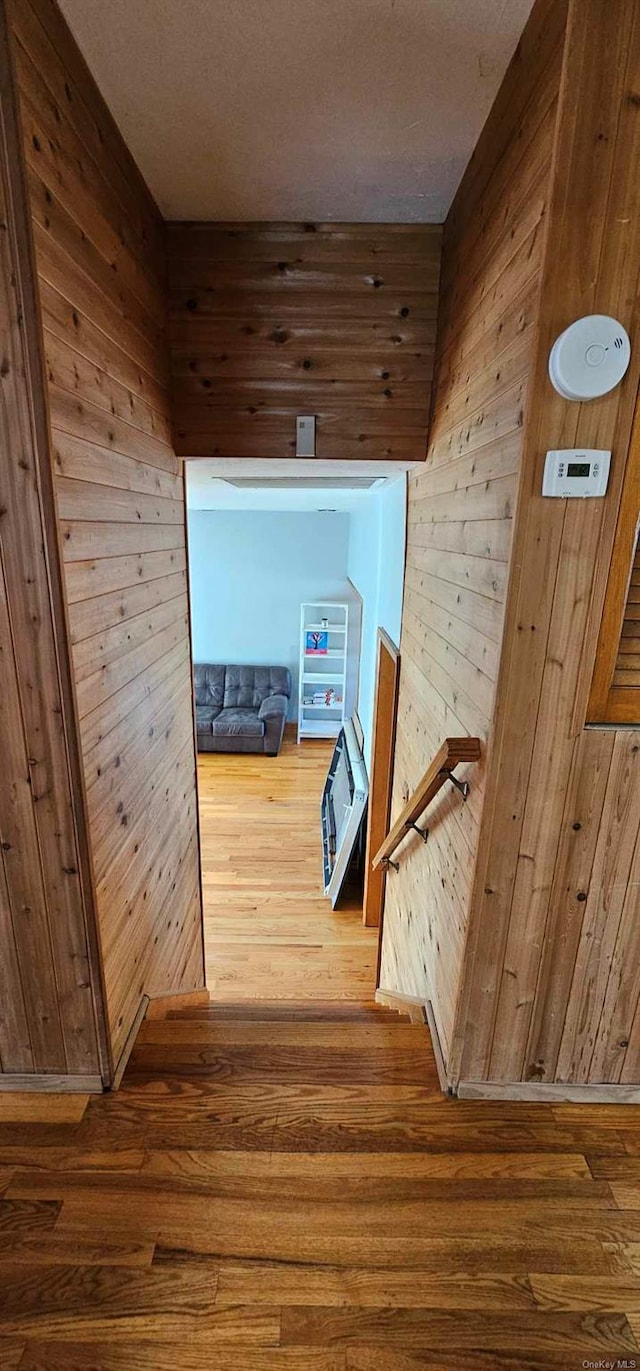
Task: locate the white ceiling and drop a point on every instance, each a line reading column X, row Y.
column 207, row 489
column 300, row 109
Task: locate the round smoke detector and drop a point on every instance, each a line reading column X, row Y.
column 590, row 357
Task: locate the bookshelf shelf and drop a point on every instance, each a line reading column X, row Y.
column 319, row 677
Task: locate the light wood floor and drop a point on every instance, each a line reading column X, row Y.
column 270, row 933
column 281, row 1186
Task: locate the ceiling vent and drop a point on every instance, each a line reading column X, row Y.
column 302, row 482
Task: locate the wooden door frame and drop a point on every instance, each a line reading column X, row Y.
column 382, row 758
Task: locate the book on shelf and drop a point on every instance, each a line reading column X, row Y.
column 320, row 698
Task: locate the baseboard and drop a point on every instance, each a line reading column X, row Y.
column 52, row 1084
column 552, row 1092
column 160, row 1005
column 116, row 1080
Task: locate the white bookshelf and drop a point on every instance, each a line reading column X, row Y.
column 323, row 675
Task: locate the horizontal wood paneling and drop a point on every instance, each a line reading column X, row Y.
column 461, row 508
column 120, row 504
column 551, row 990
column 269, row 321
column 50, row 983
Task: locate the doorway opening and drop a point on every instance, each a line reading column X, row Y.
column 293, row 568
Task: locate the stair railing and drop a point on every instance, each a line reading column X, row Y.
column 453, row 752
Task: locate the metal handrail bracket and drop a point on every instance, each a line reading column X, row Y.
column 453, row 752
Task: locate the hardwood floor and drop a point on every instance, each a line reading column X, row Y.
column 269, row 931
column 279, row 1184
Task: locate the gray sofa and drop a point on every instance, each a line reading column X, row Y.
column 241, row 708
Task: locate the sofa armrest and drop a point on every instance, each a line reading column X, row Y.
column 273, row 706
column 273, row 712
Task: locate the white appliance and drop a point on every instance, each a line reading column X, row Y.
column 576, row 473
column 590, row 357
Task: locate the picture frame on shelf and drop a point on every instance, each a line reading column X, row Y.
column 316, row 643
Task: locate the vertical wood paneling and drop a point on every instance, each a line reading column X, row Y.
column 30, row 932
column 519, row 919
column 120, row 504
column 552, row 967
column 461, row 507
column 593, row 999
column 627, row 670
column 268, row 321
column 555, row 896
column 615, row 688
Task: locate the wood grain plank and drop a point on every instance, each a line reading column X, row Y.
column 238, row 383
column 100, row 259
column 151, row 1355
column 530, row 891
column 99, row 1302
column 32, row 1108
column 52, row 949
column 333, row 1288
column 422, row 1330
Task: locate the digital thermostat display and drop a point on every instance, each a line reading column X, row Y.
column 578, row 468
column 576, row 473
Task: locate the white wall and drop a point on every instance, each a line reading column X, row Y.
column 249, row 571
column 377, row 538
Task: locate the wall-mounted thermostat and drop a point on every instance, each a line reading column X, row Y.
column 590, row 358
column 576, row 473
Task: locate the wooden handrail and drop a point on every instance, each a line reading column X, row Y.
column 451, row 754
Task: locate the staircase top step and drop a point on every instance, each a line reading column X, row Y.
column 344, row 1011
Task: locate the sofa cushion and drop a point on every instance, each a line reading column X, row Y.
column 232, row 723
column 247, row 686
column 208, row 684
column 205, row 715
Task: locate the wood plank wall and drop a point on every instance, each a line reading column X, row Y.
column 627, row 669
column 615, row 688
column 552, row 989
column 269, row 321
column 50, row 985
column 461, row 510
column 99, row 243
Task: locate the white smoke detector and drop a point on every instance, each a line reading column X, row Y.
column 590, row 357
